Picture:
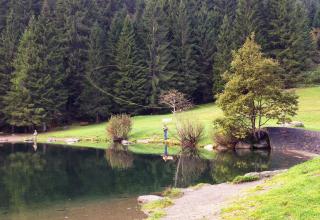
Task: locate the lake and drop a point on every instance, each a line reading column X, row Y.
column 61, row 182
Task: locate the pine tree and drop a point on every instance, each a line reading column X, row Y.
column 20, row 109
column 38, row 75
column 183, row 47
column 223, row 56
column 76, row 17
column 131, row 77
column 156, row 44
column 289, row 39
column 249, row 19
column 205, row 36
column 95, row 104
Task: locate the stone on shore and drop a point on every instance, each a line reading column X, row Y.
column 242, row 145
column 149, row 198
column 209, row 147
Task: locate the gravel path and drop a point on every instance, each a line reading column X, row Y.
column 206, row 202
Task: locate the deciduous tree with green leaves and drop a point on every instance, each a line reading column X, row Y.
column 253, row 94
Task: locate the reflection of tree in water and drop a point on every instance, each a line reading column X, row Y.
column 227, row 165
column 189, row 169
column 119, row 157
column 21, row 175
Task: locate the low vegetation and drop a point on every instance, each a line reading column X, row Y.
column 172, row 193
column 189, row 133
column 119, row 127
column 155, row 209
column 291, row 195
column 244, row 179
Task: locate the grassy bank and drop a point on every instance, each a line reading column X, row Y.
column 292, row 195
column 150, row 126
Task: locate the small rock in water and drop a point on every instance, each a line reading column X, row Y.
column 242, row 145
column 149, row 198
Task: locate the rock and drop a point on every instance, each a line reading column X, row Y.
column 293, row 124
column 149, row 198
column 209, row 147
column 72, row 140
column 143, row 141
column 253, row 174
column 267, row 174
column 51, row 140
column 242, row 145
column 297, row 124
column 125, row 142
column 261, row 145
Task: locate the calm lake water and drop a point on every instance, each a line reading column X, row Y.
column 56, row 182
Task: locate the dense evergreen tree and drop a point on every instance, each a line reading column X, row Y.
column 168, row 44
column 289, row 39
column 95, row 104
column 38, row 75
column 183, row 47
column 223, row 56
column 158, row 55
column 131, row 78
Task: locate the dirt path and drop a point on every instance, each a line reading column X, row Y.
column 206, row 202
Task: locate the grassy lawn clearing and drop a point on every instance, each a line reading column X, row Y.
column 291, row 195
column 150, row 126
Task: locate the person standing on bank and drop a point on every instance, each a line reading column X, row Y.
column 165, row 132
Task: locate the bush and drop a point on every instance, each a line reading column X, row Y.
column 189, row 132
column 244, row 179
column 119, row 127
column 228, row 131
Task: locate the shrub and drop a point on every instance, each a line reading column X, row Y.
column 119, row 127
column 189, row 132
column 243, row 179
column 229, row 131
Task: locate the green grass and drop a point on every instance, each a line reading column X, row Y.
column 292, row 195
column 150, row 126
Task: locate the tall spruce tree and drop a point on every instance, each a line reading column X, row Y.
column 183, row 48
column 156, row 40
column 223, row 55
column 249, row 19
column 289, row 39
column 76, row 17
column 38, row 75
column 205, row 35
column 131, row 77
column 95, row 104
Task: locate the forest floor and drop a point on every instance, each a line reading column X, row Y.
column 150, row 126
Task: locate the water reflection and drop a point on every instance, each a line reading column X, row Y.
column 189, row 169
column 52, row 174
column 119, row 157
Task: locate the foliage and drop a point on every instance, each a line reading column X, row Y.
column 244, row 179
column 298, row 185
column 189, row 133
column 176, row 100
column 253, row 94
column 119, row 127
